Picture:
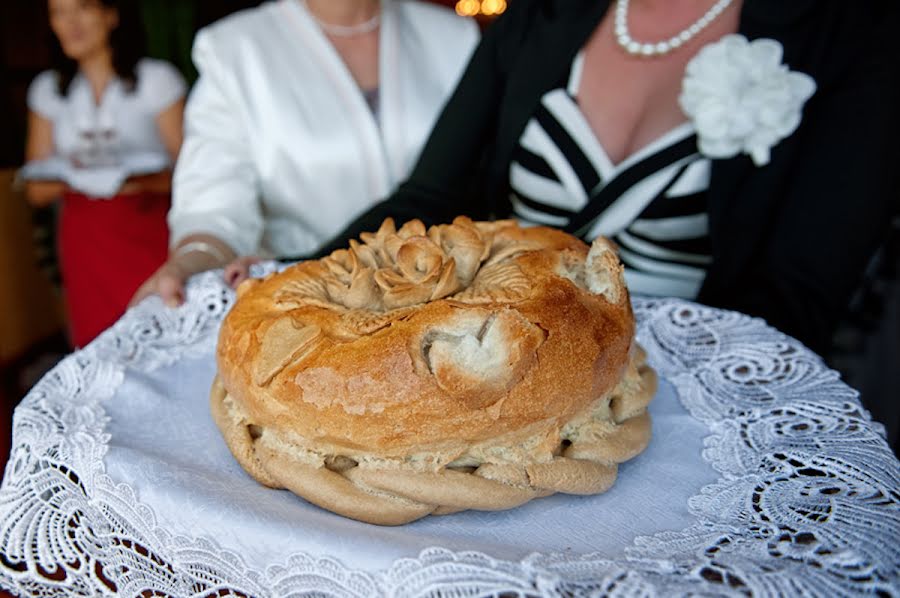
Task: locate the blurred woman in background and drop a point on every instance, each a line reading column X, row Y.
column 306, row 113
column 102, row 102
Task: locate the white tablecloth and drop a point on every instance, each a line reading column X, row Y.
column 764, row 475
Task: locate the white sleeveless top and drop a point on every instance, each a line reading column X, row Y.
column 87, row 133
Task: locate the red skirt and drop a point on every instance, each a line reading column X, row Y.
column 107, row 249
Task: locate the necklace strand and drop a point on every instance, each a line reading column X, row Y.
column 623, row 37
column 345, row 30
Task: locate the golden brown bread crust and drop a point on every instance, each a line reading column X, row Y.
column 385, row 492
column 471, row 345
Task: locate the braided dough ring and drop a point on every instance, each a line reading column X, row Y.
column 472, row 365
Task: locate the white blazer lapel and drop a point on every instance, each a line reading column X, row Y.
column 416, row 77
column 352, row 119
column 393, row 103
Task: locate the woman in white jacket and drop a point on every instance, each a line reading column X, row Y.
column 306, row 113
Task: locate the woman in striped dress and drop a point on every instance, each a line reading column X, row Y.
column 741, row 153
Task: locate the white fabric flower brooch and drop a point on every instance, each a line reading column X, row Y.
column 741, row 98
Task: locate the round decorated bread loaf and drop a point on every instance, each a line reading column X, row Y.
column 473, row 365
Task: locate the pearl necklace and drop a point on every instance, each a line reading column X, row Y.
column 664, row 47
column 345, row 30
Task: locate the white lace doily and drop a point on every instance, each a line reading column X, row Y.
column 807, row 500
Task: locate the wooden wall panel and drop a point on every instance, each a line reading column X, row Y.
column 30, row 307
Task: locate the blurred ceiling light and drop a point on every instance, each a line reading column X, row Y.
column 493, row 7
column 473, row 8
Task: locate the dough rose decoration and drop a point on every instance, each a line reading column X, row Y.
column 394, row 268
column 470, row 365
column 741, row 97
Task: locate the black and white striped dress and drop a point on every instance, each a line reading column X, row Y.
column 652, row 204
